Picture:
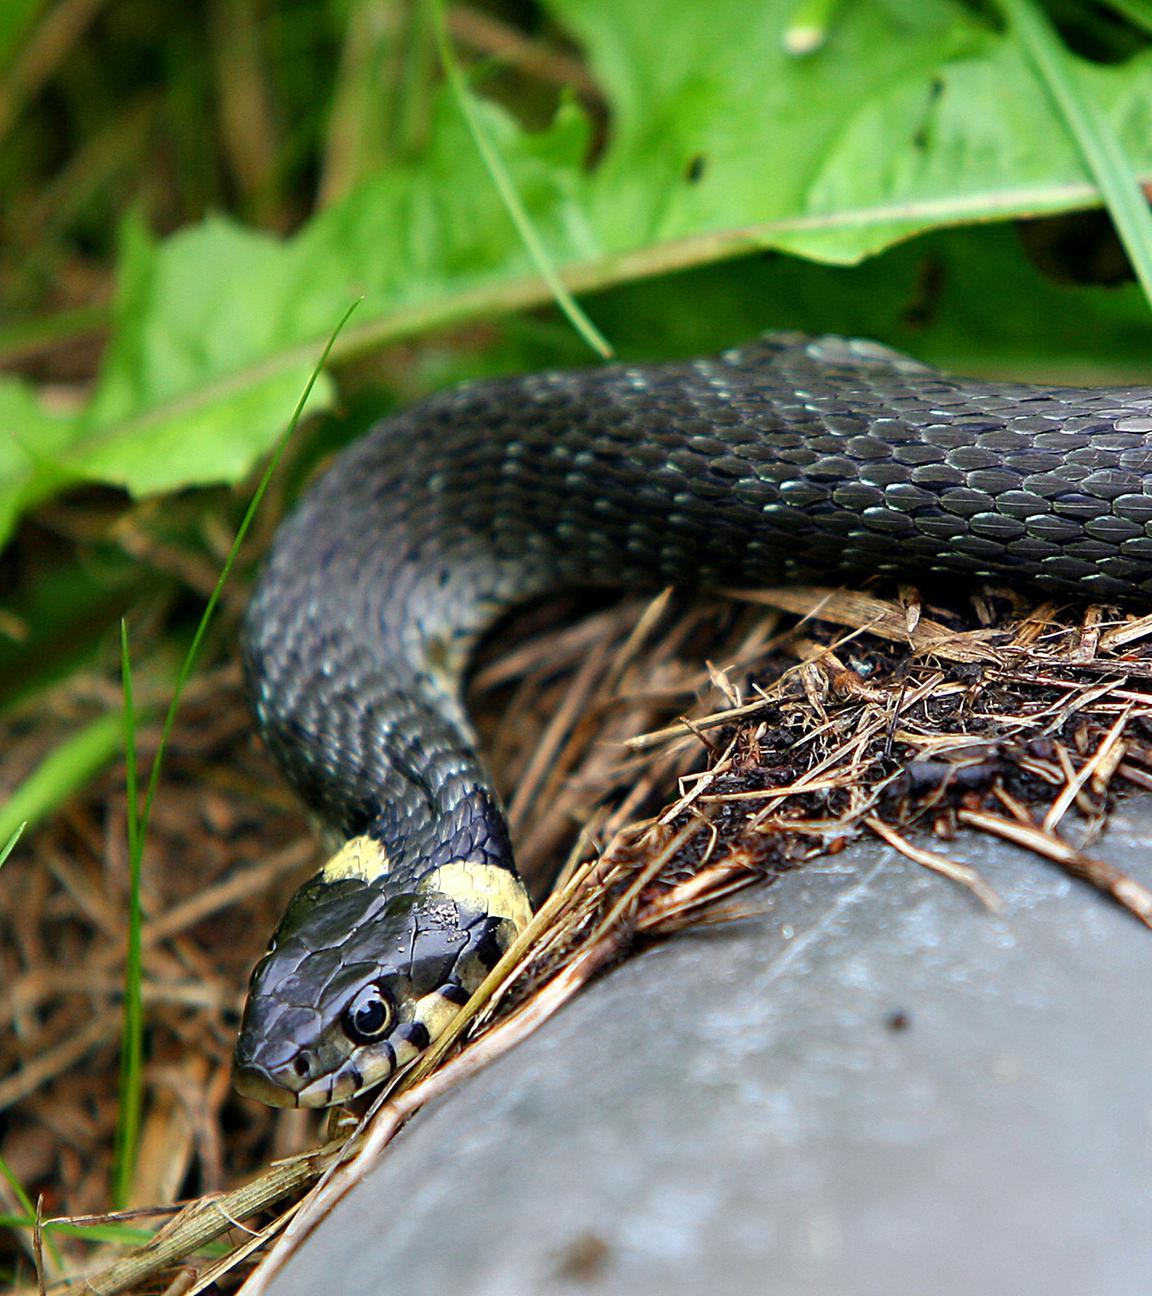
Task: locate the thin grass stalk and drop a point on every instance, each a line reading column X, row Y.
column 132, row 1037
column 508, row 194
column 1099, row 145
column 131, row 1069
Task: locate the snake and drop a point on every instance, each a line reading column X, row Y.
column 793, row 457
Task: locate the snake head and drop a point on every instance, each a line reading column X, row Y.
column 359, row 980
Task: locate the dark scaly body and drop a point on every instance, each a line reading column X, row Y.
column 790, row 458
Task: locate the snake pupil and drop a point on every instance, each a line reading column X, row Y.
column 368, row 1016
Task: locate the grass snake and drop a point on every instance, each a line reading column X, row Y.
column 793, row 457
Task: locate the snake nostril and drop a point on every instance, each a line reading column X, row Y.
column 302, row 1065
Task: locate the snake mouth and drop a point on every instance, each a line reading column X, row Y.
column 329, row 1090
column 255, row 1082
column 325, row 1091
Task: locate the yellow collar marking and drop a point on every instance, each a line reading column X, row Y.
column 485, row 888
column 362, row 858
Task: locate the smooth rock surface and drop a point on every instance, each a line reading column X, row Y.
column 874, row 1087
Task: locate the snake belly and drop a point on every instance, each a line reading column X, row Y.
column 791, row 458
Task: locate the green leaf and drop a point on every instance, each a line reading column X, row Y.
column 31, row 1219
column 131, row 1053
column 30, row 440
column 188, row 395
column 909, row 117
column 123, row 1234
column 502, row 182
column 197, row 383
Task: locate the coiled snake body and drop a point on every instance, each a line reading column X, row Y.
column 793, row 457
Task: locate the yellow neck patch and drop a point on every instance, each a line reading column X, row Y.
column 362, row 858
column 483, row 888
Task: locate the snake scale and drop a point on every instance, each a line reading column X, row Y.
column 792, row 457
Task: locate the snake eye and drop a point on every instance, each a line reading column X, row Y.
column 368, row 1016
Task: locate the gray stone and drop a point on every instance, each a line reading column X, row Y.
column 870, row 1087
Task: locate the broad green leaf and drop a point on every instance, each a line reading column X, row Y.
column 720, row 143
column 186, row 396
column 909, row 117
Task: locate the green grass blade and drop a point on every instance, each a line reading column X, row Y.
column 14, row 1183
column 18, row 1188
column 1099, row 146
column 507, row 191
column 61, row 773
column 122, row 1233
column 132, row 1038
column 131, row 1075
column 10, row 845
